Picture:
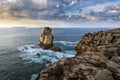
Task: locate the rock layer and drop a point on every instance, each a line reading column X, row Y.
column 97, row 58
column 46, row 40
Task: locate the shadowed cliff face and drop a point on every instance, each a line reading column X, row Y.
column 46, row 40
column 97, row 58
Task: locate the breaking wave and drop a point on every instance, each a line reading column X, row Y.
column 37, row 55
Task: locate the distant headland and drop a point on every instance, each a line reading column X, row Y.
column 18, row 27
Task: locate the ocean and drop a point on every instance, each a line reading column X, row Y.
column 18, row 63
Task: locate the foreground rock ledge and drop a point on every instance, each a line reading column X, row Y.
column 88, row 66
column 46, row 40
column 97, row 58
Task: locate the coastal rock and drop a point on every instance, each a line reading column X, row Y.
column 46, row 40
column 97, row 58
column 105, row 42
column 37, row 55
column 88, row 66
column 116, row 59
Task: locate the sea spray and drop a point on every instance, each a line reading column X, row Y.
column 29, row 54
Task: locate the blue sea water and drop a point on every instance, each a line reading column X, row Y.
column 19, row 64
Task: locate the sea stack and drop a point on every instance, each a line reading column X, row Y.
column 46, row 40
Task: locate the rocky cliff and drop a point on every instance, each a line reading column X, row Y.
column 46, row 40
column 105, row 42
column 97, row 58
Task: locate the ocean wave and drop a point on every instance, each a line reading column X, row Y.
column 67, row 43
column 37, row 55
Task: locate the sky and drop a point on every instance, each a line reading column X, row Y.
column 59, row 13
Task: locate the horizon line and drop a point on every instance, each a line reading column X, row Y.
column 53, row 27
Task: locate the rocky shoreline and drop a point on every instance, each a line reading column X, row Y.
column 97, row 58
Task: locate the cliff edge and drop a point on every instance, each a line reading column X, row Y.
column 105, row 42
column 97, row 58
column 46, row 40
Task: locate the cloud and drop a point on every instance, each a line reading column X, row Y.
column 63, row 10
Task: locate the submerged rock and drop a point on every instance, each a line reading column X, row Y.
column 37, row 55
column 97, row 58
column 46, row 40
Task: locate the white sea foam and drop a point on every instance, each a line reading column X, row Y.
column 29, row 54
column 34, row 76
column 67, row 43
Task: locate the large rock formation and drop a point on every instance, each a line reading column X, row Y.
column 88, row 66
column 105, row 42
column 97, row 58
column 46, row 40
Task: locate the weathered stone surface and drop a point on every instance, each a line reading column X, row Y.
column 88, row 66
column 46, row 40
column 97, row 58
column 105, row 42
column 116, row 59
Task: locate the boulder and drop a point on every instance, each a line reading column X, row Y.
column 46, row 40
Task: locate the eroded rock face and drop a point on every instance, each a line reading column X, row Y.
column 46, row 40
column 97, row 58
column 105, row 42
column 88, row 66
